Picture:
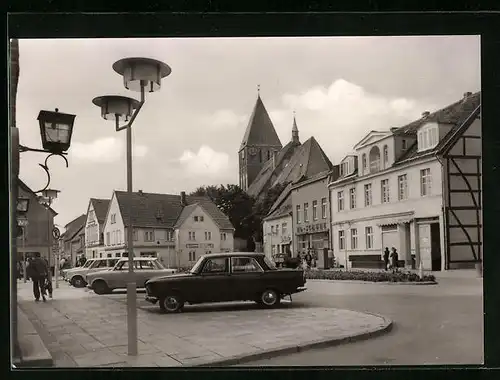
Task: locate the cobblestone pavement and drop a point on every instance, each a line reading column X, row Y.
column 82, row 329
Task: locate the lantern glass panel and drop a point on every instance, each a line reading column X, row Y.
column 57, row 133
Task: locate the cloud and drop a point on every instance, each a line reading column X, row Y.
column 222, row 119
column 104, row 150
column 206, row 162
column 340, row 114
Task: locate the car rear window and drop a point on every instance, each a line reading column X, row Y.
column 269, row 263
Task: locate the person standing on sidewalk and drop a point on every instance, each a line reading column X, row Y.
column 386, row 258
column 394, row 257
column 48, row 279
column 38, row 272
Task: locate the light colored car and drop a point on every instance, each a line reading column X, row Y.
column 145, row 268
column 76, row 276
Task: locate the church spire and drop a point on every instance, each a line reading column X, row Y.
column 295, row 131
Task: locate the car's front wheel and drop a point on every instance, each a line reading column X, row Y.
column 78, row 282
column 172, row 303
column 100, row 287
column 269, row 298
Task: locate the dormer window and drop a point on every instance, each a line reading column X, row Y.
column 363, row 160
column 374, row 157
column 428, row 137
column 386, row 156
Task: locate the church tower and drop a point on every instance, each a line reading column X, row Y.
column 260, row 144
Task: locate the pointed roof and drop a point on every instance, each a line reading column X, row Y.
column 75, row 226
column 146, row 207
column 100, row 208
column 260, row 129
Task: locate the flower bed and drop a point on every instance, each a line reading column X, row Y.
column 319, row 274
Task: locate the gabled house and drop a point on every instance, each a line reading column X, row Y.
column 74, row 238
column 175, row 228
column 416, row 188
column 37, row 235
column 94, row 227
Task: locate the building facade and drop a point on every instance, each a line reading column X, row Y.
column 74, row 239
column 396, row 191
column 311, row 218
column 94, row 228
column 176, row 229
column 37, row 235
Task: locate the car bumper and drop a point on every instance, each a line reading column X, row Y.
column 152, row 300
column 301, row 289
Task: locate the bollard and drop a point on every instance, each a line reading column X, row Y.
column 421, row 270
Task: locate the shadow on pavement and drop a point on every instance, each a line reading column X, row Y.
column 237, row 306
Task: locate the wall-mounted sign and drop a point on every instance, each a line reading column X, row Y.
column 192, row 245
column 312, row 228
column 56, row 234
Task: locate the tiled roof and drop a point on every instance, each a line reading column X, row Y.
column 74, row 227
column 308, row 161
column 455, row 114
column 100, row 208
column 146, row 207
column 266, row 173
column 281, row 198
column 284, row 209
column 260, row 129
column 186, row 212
column 307, row 180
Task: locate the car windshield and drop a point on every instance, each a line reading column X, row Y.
column 87, row 264
column 158, row 264
column 196, row 267
column 269, row 263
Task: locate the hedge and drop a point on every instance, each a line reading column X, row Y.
column 318, row 274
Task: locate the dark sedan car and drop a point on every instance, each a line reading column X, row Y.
column 224, row 277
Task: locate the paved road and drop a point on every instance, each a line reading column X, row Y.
column 441, row 324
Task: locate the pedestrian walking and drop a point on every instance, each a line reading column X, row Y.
column 386, row 258
column 37, row 271
column 394, row 259
column 308, row 258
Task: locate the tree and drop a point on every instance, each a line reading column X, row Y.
column 234, row 203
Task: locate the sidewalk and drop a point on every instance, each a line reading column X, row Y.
column 82, row 329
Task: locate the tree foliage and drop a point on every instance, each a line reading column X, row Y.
column 234, row 203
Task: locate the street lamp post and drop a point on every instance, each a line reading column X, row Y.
column 139, row 74
column 48, row 195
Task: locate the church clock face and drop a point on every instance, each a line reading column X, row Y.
column 252, row 151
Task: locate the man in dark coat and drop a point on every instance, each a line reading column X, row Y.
column 394, row 258
column 386, row 258
column 38, row 272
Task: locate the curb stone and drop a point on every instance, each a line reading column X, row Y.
column 413, row 283
column 286, row 350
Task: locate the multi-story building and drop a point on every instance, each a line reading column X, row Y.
column 94, row 228
column 416, row 188
column 74, row 239
column 175, row 228
column 37, row 236
column 277, row 226
column 311, row 215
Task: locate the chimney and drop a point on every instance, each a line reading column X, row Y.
column 394, row 129
column 183, row 198
column 467, row 94
column 425, row 114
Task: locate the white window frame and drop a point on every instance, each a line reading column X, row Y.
column 428, row 137
column 352, row 198
column 315, row 209
column 354, row 238
column 385, row 196
column 363, row 163
column 340, row 201
column 425, row 182
column 341, row 240
column 369, row 237
column 402, row 187
column 284, row 228
column 323, row 208
column 297, row 209
column 385, row 156
column 147, row 234
column 306, row 212
column 367, row 189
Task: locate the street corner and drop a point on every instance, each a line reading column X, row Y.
column 236, row 335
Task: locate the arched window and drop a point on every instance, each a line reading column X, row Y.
column 363, row 159
column 386, row 156
column 374, row 158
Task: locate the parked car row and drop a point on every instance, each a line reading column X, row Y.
column 219, row 277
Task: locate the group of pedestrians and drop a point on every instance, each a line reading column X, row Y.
column 39, row 273
column 393, row 256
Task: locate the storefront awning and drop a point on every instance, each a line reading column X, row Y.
column 396, row 220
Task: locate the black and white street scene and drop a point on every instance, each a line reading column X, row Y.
column 228, row 202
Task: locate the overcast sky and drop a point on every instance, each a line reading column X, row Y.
column 189, row 132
